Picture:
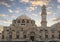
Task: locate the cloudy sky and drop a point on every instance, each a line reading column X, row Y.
column 11, row 9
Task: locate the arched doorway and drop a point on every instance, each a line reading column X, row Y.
column 32, row 36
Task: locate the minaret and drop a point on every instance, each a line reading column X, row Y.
column 43, row 17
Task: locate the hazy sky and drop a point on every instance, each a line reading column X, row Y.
column 11, row 9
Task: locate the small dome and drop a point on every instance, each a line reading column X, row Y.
column 56, row 24
column 23, row 17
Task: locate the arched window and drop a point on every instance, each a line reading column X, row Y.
column 46, row 31
column 10, row 36
column 7, row 30
column 41, row 31
column 40, row 37
column 31, row 21
column 23, row 21
column 52, row 36
column 46, row 36
column 24, row 36
column 32, row 36
column 13, row 30
column 17, row 36
column 59, row 34
column 27, row 21
column 2, row 36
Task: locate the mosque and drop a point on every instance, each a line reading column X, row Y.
column 24, row 29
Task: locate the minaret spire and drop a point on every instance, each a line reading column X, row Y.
column 43, row 16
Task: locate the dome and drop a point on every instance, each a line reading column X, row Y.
column 57, row 24
column 23, row 17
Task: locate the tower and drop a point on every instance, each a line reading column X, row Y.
column 43, row 17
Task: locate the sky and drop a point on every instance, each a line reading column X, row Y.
column 11, row 9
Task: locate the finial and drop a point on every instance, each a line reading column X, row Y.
column 44, row 6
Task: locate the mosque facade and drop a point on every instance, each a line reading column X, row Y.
column 24, row 29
